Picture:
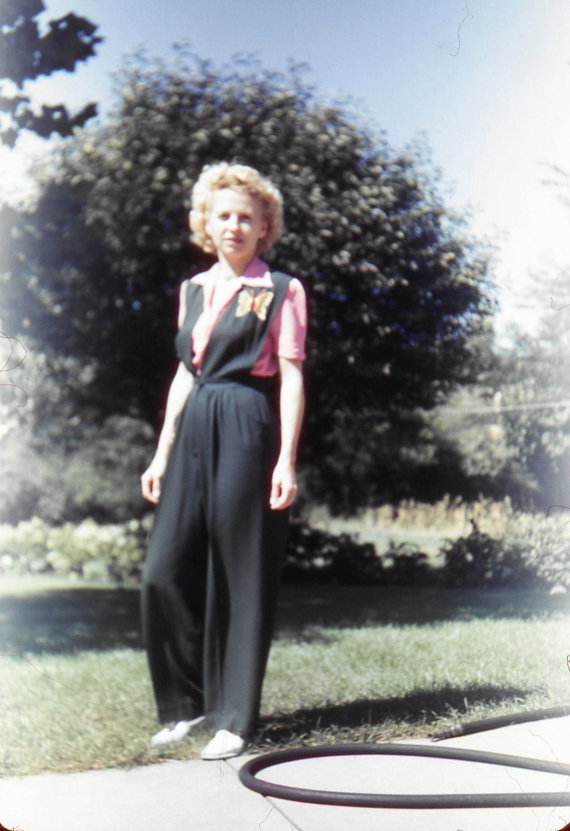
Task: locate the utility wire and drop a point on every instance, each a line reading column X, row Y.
column 507, row 408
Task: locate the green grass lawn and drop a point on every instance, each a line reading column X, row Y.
column 348, row 664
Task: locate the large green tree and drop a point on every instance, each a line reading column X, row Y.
column 26, row 53
column 398, row 294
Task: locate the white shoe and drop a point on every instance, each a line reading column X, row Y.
column 175, row 734
column 223, row 746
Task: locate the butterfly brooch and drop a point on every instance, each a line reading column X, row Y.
column 249, row 301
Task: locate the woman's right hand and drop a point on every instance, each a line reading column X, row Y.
column 151, row 480
column 180, row 389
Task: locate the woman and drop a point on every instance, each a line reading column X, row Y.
column 224, row 471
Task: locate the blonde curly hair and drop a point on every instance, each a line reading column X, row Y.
column 243, row 179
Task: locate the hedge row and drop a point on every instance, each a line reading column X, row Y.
column 534, row 553
column 103, row 553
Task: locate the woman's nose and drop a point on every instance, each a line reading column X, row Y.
column 233, row 222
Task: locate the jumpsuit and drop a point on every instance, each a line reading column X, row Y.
column 211, row 575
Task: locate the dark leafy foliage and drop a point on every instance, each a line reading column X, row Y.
column 26, row 53
column 315, row 556
column 482, row 561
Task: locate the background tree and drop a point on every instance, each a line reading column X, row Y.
column 398, row 295
column 60, row 462
column 533, row 379
column 26, row 53
column 511, row 428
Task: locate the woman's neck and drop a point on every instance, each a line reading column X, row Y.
column 230, row 269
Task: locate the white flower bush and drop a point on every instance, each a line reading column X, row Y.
column 97, row 553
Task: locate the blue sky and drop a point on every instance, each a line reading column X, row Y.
column 436, row 65
column 487, row 82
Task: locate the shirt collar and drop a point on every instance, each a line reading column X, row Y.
column 257, row 274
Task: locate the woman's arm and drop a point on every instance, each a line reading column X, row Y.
column 291, row 408
column 179, row 391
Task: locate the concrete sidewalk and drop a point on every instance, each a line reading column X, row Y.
column 203, row 796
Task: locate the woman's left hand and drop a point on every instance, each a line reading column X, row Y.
column 283, row 487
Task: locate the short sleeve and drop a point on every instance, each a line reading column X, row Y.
column 289, row 326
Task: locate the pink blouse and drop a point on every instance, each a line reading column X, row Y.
column 286, row 338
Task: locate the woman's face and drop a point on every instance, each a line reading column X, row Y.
column 235, row 225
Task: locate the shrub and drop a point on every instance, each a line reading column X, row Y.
column 97, row 553
column 534, row 552
column 408, row 566
column 318, row 556
column 543, row 543
column 23, row 548
column 480, row 561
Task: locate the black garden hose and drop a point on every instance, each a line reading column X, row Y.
column 500, row 721
column 248, row 778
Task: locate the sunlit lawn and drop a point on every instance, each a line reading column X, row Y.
column 348, row 664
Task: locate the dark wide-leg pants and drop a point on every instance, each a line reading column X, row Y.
column 212, row 571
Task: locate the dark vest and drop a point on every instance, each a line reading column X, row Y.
column 238, row 336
